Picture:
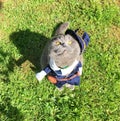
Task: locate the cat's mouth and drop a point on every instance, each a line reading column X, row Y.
column 61, row 53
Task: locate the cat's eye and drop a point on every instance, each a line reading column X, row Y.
column 69, row 42
column 57, row 43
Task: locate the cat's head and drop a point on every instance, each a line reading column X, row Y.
column 65, row 47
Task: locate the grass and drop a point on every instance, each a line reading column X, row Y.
column 26, row 25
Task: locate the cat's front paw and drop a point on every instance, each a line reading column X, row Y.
column 40, row 75
column 71, row 87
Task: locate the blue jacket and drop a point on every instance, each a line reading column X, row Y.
column 58, row 75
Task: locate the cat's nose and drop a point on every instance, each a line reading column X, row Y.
column 63, row 44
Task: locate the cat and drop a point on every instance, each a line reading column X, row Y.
column 62, row 58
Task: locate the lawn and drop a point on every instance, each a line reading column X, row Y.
column 25, row 27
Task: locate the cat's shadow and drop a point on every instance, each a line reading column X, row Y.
column 30, row 45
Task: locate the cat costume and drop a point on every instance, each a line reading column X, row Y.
column 67, row 75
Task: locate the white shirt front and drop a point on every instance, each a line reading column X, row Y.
column 65, row 71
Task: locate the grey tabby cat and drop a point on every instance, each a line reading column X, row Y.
column 62, row 58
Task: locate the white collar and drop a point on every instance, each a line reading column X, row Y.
column 64, row 71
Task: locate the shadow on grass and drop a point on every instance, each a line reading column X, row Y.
column 30, row 45
column 7, row 68
column 1, row 4
column 9, row 112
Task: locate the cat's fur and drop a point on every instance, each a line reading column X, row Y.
column 63, row 54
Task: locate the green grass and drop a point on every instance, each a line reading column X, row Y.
column 25, row 27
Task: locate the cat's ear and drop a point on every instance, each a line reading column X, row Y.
column 62, row 29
